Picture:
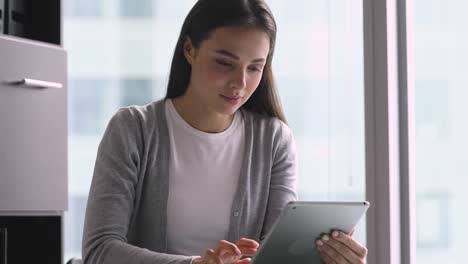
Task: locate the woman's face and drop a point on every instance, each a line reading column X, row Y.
column 227, row 67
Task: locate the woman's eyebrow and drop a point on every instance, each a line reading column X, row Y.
column 233, row 56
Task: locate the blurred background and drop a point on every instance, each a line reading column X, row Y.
column 119, row 54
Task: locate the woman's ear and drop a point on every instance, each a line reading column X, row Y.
column 189, row 51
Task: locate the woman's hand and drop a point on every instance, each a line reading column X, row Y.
column 340, row 248
column 229, row 253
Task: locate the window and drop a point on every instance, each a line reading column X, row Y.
column 318, row 67
column 432, row 106
column 86, row 102
column 441, row 142
column 135, row 92
column 83, row 8
column 136, row 8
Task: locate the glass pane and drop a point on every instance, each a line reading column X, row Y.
column 441, row 163
column 135, row 92
column 136, row 8
column 86, row 104
column 122, row 59
column 319, row 72
column 83, row 8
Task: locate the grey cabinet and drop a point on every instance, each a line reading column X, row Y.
column 33, row 126
column 33, row 132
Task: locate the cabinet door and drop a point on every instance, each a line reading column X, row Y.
column 33, row 126
column 31, row 239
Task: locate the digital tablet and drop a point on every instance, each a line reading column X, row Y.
column 301, row 223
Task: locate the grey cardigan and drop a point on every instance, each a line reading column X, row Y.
column 126, row 212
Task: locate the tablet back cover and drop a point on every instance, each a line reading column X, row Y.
column 293, row 237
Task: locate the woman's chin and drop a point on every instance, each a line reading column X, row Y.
column 226, row 109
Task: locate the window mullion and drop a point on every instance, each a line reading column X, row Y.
column 382, row 131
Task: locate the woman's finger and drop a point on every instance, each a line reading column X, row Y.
column 248, row 251
column 248, row 247
column 342, row 249
column 244, row 261
column 247, row 243
column 334, row 254
column 326, row 258
column 347, row 240
column 227, row 247
column 212, row 258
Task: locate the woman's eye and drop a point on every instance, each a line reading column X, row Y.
column 223, row 63
column 255, row 69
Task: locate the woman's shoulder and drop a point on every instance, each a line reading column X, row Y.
column 151, row 112
column 137, row 119
column 267, row 124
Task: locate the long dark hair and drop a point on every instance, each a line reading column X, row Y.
column 206, row 16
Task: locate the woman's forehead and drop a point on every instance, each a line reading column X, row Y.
column 241, row 41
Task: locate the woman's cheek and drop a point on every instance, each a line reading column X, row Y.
column 218, row 78
column 213, row 75
column 254, row 82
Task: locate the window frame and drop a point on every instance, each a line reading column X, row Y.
column 390, row 130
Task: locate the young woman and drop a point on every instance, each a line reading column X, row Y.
column 201, row 176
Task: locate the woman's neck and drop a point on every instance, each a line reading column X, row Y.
column 200, row 117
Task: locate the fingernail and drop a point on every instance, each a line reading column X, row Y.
column 325, row 238
column 335, row 234
column 319, row 243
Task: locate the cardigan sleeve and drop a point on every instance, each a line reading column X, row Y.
column 282, row 188
column 111, row 199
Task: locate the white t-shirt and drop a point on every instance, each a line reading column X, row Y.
column 203, row 175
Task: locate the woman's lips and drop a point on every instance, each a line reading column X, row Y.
column 231, row 99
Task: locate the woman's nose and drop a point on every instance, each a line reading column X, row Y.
column 239, row 80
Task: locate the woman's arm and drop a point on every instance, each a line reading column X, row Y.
column 283, row 177
column 111, row 199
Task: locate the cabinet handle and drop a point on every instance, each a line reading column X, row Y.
column 38, row 83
